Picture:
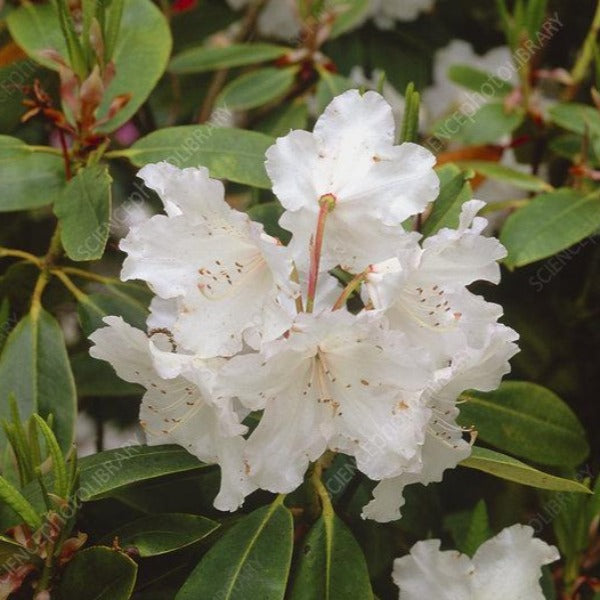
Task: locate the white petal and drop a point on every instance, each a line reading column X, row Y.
column 184, row 191
column 508, row 567
column 176, row 410
column 163, row 313
column 427, row 574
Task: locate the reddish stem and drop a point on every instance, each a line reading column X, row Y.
column 326, row 205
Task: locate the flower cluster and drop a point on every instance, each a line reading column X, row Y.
column 506, row 567
column 253, row 359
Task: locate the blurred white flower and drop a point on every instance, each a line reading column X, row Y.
column 278, row 19
column 386, row 12
column 445, row 96
column 506, row 567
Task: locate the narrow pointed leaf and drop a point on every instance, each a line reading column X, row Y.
column 252, row 560
column 34, row 366
column 159, row 534
column 98, row 573
column 331, row 565
column 506, row 467
column 528, row 421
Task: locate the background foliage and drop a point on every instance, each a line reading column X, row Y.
column 128, row 83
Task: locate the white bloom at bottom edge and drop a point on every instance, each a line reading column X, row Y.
column 338, row 381
column 505, row 567
column 177, row 407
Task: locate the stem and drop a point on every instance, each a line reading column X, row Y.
column 54, row 252
column 350, row 288
column 320, row 489
column 586, row 54
column 68, row 283
column 21, row 254
column 89, row 275
column 65, row 153
column 326, row 205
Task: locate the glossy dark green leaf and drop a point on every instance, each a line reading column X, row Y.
column 141, row 50
column 228, row 153
column 98, row 573
column 97, row 306
column 209, row 58
column 257, row 88
column 268, row 214
column 251, row 560
column 527, row 420
column 28, row 178
column 83, row 209
column 331, row 564
column 455, row 190
column 469, row 528
column 34, row 366
column 162, row 533
column 506, row 467
column 107, row 473
column 97, row 378
column 548, row 224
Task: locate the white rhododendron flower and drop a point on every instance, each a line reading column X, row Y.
column 278, row 19
column 337, row 381
column 177, row 407
column 228, row 276
column 506, row 567
column 386, row 12
column 241, row 324
column 445, row 96
column 350, row 168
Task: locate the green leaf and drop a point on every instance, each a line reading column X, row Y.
column 141, row 49
column 469, row 528
column 95, row 307
column 487, row 125
column 332, row 564
column 455, row 190
column 410, row 121
column 98, row 573
column 548, row 224
column 330, row 85
column 349, row 14
column 19, row 504
column 528, row 421
column 9, row 551
column 228, row 153
column 268, row 214
column 28, row 179
column 202, row 58
column 475, row 79
column 83, row 209
column 97, row 378
column 494, row 170
column 578, row 118
column 159, row 534
column 251, row 560
column 108, row 473
column 34, row 366
column 257, row 88
column 506, row 467
column 59, row 466
column 291, row 115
